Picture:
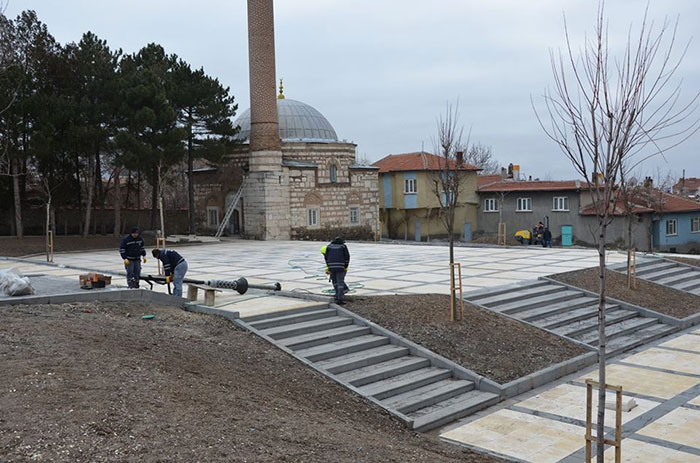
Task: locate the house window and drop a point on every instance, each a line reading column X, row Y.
column 213, row 217
column 409, row 186
column 560, row 203
column 490, row 205
column 333, row 173
column 524, row 205
column 671, row 227
column 354, row 215
column 313, row 217
column 695, row 225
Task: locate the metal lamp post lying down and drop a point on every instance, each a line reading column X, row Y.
column 241, row 285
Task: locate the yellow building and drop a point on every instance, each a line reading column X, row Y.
column 408, row 203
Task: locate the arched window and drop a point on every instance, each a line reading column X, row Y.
column 334, row 173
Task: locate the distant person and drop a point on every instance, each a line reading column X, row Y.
column 132, row 249
column 337, row 261
column 546, row 238
column 174, row 266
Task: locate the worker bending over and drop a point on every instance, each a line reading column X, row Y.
column 337, row 261
column 174, row 266
column 132, row 249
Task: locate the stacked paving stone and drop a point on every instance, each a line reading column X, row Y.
column 572, row 313
column 406, row 383
column 668, row 273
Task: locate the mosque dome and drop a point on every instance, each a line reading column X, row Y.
column 297, row 122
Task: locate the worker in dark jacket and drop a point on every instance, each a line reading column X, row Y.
column 174, row 266
column 132, row 250
column 337, row 260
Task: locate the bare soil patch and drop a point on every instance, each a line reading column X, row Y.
column 96, row 382
column 669, row 301
column 29, row 245
column 685, row 260
column 495, row 346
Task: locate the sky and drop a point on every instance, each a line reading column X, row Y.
column 382, row 71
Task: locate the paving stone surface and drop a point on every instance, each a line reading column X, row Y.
column 375, row 268
column 664, row 380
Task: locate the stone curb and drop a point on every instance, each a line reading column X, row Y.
column 667, row 319
column 408, row 422
column 116, row 295
column 205, row 309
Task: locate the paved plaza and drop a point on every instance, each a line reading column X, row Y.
column 375, row 268
column 548, row 424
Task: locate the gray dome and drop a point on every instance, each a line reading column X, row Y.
column 297, row 122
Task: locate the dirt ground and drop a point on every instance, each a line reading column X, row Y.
column 669, row 301
column 89, row 382
column 686, row 260
column 490, row 344
column 13, row 247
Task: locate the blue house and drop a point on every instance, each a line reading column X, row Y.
column 677, row 225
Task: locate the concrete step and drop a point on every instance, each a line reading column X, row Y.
column 657, row 266
column 317, row 338
column 295, row 329
column 622, row 344
column 405, row 382
column 539, row 301
column 292, row 318
column 549, row 310
column 309, row 308
column 618, row 329
column 377, row 372
column 338, row 348
column 678, row 270
column 498, row 300
column 363, row 358
column 503, row 290
column 612, row 316
column 688, row 285
column 565, row 318
column 428, row 395
column 678, row 279
column 452, row 409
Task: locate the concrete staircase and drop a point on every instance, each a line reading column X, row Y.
column 409, row 383
column 571, row 313
column 666, row 272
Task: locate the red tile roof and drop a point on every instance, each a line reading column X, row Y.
column 690, row 184
column 413, row 161
column 668, row 203
column 512, row 185
column 483, row 180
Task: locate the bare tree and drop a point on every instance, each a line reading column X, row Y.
column 449, row 178
column 608, row 115
column 481, row 156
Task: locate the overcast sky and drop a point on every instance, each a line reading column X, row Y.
column 381, row 71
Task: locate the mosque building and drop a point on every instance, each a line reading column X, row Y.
column 321, row 189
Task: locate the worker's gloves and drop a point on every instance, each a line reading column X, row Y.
column 126, row 262
column 346, row 269
column 328, row 271
column 145, row 260
column 169, row 279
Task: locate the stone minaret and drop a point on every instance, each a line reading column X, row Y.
column 266, row 188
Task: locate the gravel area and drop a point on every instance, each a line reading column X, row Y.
column 495, row 346
column 664, row 299
column 96, row 382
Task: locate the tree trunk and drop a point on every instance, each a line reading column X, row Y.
column 600, row 425
column 19, row 229
column 190, row 187
column 453, row 296
column 117, row 203
column 154, row 198
column 100, row 192
column 138, row 198
column 90, row 193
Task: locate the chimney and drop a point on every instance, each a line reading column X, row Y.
column 510, row 170
column 460, row 158
column 516, row 172
column 504, row 173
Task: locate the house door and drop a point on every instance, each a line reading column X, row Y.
column 417, row 230
column 235, row 223
column 467, row 236
column 567, row 235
